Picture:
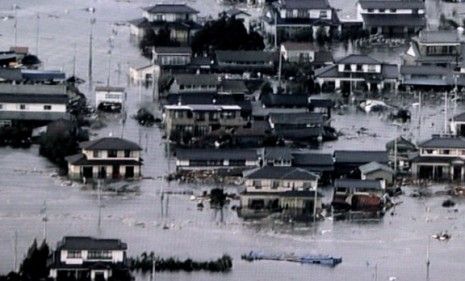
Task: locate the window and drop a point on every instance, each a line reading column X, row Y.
column 99, row 254
column 127, row 153
column 22, row 106
column 323, row 14
column 112, row 153
column 1, row 106
column 275, row 185
column 382, row 10
column 95, row 153
column 257, row 184
column 47, row 107
column 74, row 254
column 371, row 10
column 393, row 10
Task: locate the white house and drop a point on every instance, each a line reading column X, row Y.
column 298, row 52
column 87, row 258
column 32, row 104
column 144, row 74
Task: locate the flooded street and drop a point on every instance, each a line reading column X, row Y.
column 393, row 246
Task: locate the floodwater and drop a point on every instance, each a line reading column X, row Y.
column 393, row 246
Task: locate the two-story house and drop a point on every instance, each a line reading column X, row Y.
column 392, row 17
column 440, row 158
column 198, row 120
column 280, row 189
column 106, row 158
column 32, row 104
column 438, row 47
column 179, row 19
column 426, row 77
column 88, row 258
column 299, row 19
column 357, row 72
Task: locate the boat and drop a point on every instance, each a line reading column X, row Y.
column 303, row 259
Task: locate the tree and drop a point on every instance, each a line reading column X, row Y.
column 321, row 35
column 226, row 34
column 34, row 266
column 152, row 38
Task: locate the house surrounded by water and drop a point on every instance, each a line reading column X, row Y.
column 88, row 258
column 106, row 158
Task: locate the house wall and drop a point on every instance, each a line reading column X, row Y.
column 172, row 59
column 379, row 175
column 298, row 55
column 366, row 68
column 103, row 155
column 177, row 89
column 117, row 256
column 276, row 185
column 302, row 13
column 33, row 107
column 110, row 97
column 169, row 17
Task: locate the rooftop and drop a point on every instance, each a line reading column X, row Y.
column 360, row 156
column 305, row 4
column 374, row 166
column 439, row 36
column 278, row 153
column 171, row 8
column 197, row 79
column 244, row 56
column 390, row 20
column 299, row 46
column 110, row 143
column 354, row 183
column 109, row 89
column 216, row 154
column 357, row 59
column 173, row 50
column 392, row 4
column 312, row 159
column 282, row 173
column 443, row 142
column 90, row 243
column 308, row 118
column 33, row 98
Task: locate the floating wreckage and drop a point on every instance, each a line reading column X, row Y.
column 304, row 259
column 443, row 236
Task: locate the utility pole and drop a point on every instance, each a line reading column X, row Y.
column 314, row 203
column 153, row 269
column 91, row 38
column 275, row 30
column 445, row 112
column 99, row 222
column 279, row 68
column 15, row 250
column 37, row 33
column 74, row 62
column 15, row 7
column 45, row 220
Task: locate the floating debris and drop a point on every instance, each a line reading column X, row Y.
column 305, row 259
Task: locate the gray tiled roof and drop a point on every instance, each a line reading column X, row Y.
column 90, row 243
column 216, row 154
column 109, row 89
column 282, row 173
column 374, row 166
column 312, row 159
column 460, row 117
column 279, row 153
column 244, row 56
column 33, row 98
column 357, row 59
column 360, row 156
column 197, row 79
column 173, row 50
column 36, row 116
column 108, row 143
column 438, row 36
column 424, row 70
column 354, row 183
column 171, row 8
column 306, row 4
column 394, row 20
column 297, row 118
column 392, row 4
column 443, row 142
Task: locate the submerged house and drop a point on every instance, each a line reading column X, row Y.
column 288, row 190
column 216, row 159
column 305, row 126
column 292, row 19
column 440, row 158
column 171, row 56
column 239, row 61
column 405, row 150
column 426, row 77
column 179, row 19
column 435, row 48
column 88, row 258
column 195, row 83
column 357, row 72
column 36, row 105
column 457, row 125
column 377, row 171
column 106, row 158
column 358, row 195
column 392, row 17
column 347, row 162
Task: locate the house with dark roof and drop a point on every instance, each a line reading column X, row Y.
column 106, row 158
column 440, row 158
column 358, row 195
column 292, row 191
column 319, row 163
column 180, row 19
column 88, row 258
column 305, row 52
column 277, row 156
column 437, row 48
column 347, row 162
column 426, row 77
column 237, row 14
column 289, row 19
column 357, row 72
column 405, row 149
column 216, row 159
column 33, row 104
column 239, row 61
column 392, row 17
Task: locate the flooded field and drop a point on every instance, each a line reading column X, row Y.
column 393, row 246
